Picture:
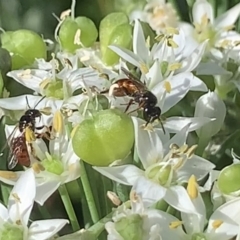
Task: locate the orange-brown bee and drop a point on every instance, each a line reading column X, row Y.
column 20, row 146
column 139, row 93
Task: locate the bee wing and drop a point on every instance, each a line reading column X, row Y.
column 137, row 82
column 12, row 160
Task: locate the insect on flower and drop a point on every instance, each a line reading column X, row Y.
column 132, row 87
column 23, row 134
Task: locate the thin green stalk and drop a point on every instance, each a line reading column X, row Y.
column 88, row 193
column 68, row 206
column 202, row 144
column 44, row 212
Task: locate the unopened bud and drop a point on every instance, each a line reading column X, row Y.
column 211, row 106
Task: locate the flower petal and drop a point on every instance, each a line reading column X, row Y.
column 149, row 191
column 126, row 174
column 228, row 18
column 200, row 9
column 175, row 124
column 44, row 229
column 3, row 214
column 148, row 144
column 126, row 55
column 45, row 189
column 139, row 43
column 22, row 196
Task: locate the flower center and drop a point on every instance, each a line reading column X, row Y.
column 204, row 31
column 130, row 227
column 53, row 164
column 54, row 89
column 198, row 236
column 160, row 173
column 11, row 232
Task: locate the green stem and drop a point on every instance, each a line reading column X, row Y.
column 88, row 193
column 44, row 212
column 68, row 206
column 5, row 193
column 202, row 144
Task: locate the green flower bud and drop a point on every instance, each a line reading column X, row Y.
column 114, row 29
column 130, row 227
column 229, row 179
column 159, row 174
column 69, row 28
column 106, row 137
column 11, row 232
column 25, row 46
column 53, row 164
column 54, row 89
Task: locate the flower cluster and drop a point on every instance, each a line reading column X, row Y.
column 120, row 131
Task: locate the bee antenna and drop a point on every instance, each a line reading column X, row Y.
column 27, row 103
column 162, row 126
column 39, row 101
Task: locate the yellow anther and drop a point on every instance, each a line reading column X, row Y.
column 29, row 135
column 191, row 150
column 172, row 31
column 183, row 148
column 114, row 198
column 236, row 43
column 175, row 66
column 217, row 223
column 16, row 197
column 65, row 14
column 167, row 86
column 192, row 187
column 8, row 175
column 230, row 27
column 159, row 37
column 37, row 167
column 174, row 146
column 204, row 20
column 144, row 68
column 148, row 44
column 18, row 222
column 44, row 83
column 133, row 196
column 58, row 122
column 171, row 43
column 175, row 224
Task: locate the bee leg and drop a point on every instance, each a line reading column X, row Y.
column 46, row 134
column 129, row 104
column 139, row 107
column 33, row 152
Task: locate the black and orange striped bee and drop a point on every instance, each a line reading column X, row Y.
column 134, row 88
column 20, row 146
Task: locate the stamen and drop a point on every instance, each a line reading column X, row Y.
column 175, row 66
column 26, row 74
column 37, row 167
column 77, row 38
column 191, row 150
column 44, row 83
column 175, row 224
column 65, row 14
column 172, row 43
column 111, row 89
column 172, row 31
column 217, row 223
column 167, row 86
column 58, row 122
column 8, row 175
column 16, row 197
column 144, row 68
column 114, row 198
column 192, row 187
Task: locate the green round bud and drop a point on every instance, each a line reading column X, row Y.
column 24, row 46
column 229, row 179
column 54, row 89
column 53, row 164
column 106, row 137
column 69, row 28
column 121, row 36
column 114, row 29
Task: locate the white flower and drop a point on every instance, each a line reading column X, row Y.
column 223, row 223
column 162, row 168
column 59, row 165
column 14, row 219
column 206, row 27
column 140, row 223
